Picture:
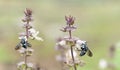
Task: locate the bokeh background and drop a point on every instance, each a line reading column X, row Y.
column 98, row 23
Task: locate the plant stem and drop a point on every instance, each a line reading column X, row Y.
column 27, row 29
column 71, row 47
column 25, row 57
column 73, row 57
column 70, row 34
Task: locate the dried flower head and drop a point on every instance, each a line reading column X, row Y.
column 28, row 15
column 28, row 12
column 69, row 27
column 70, row 20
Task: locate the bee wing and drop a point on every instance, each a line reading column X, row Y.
column 89, row 53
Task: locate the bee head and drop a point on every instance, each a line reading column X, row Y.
column 84, row 49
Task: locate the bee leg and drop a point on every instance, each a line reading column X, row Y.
column 29, row 45
column 17, row 47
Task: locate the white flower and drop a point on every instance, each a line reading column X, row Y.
column 32, row 31
column 34, row 34
column 30, row 65
column 74, row 53
column 80, row 42
column 68, row 56
column 60, row 58
column 103, row 64
column 20, row 64
column 77, row 46
column 22, row 50
column 29, row 49
column 62, row 43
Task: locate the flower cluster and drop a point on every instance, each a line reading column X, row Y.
column 69, row 27
column 24, row 47
column 71, row 46
column 22, row 66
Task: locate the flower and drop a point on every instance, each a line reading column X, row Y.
column 28, row 12
column 69, row 20
column 80, row 42
column 62, row 43
column 21, row 50
column 68, row 28
column 34, row 34
column 20, row 64
column 30, row 65
column 60, row 58
column 103, row 64
column 29, row 51
column 69, row 55
column 69, row 60
column 27, row 25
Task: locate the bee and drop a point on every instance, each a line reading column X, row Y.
column 23, row 43
column 85, row 49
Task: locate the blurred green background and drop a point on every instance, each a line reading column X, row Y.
column 98, row 23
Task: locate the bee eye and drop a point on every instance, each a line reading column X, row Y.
column 82, row 53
